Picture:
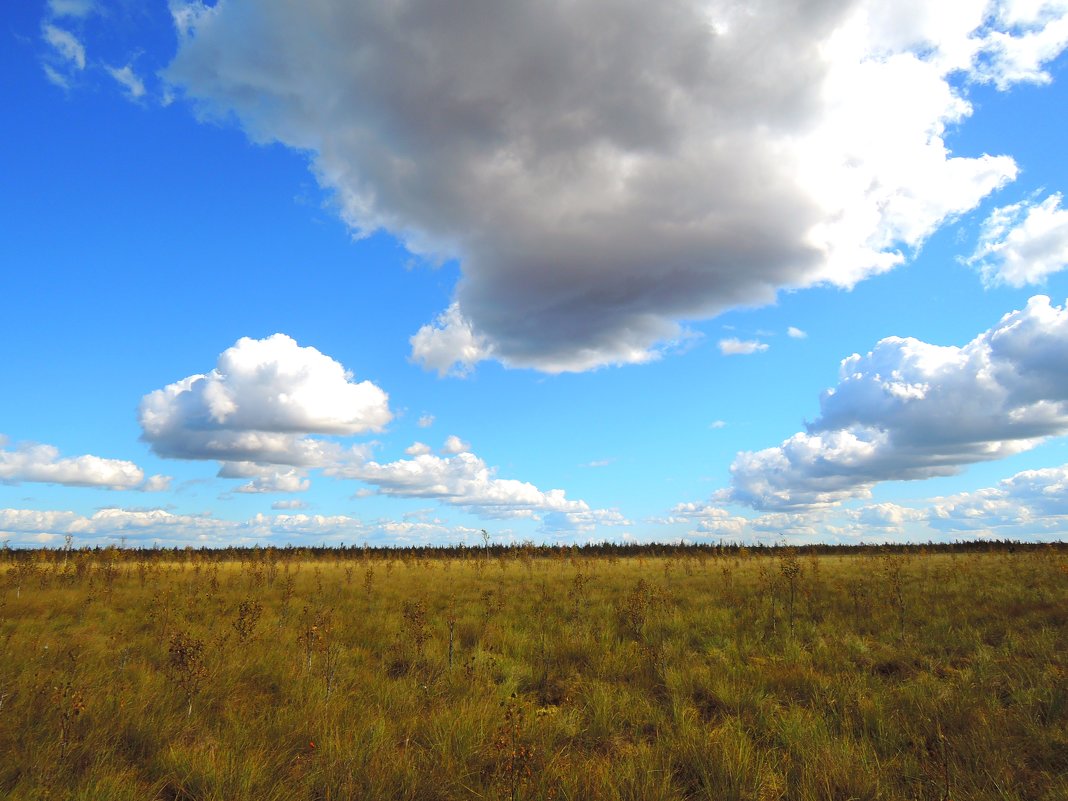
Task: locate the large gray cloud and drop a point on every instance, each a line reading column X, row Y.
column 607, row 170
column 912, row 410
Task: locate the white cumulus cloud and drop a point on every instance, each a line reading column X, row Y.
column 265, row 478
column 35, row 462
column 463, row 480
column 913, row 410
column 1023, row 243
column 605, row 171
column 453, row 445
column 259, row 404
column 1030, row 502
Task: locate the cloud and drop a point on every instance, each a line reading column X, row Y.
column 911, row 410
column 462, row 480
column 1032, row 33
column 289, row 504
column 34, row 462
column 265, row 478
column 564, row 523
column 425, row 421
column 1023, row 243
column 139, row 527
column 71, row 8
column 1030, row 502
column 128, row 79
column 417, row 449
column 795, row 333
column 453, row 445
column 66, row 46
column 157, row 483
column 715, row 521
column 741, row 347
column 449, row 345
column 259, row 404
column 696, row 157
column 717, row 424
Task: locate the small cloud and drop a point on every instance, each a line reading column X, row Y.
column 291, row 504
column 66, row 45
column 449, row 345
column 795, row 333
column 454, row 445
column 733, row 346
column 157, row 483
column 426, row 421
column 417, row 449
column 599, row 463
column 718, row 424
column 71, row 8
column 134, row 86
column 55, row 78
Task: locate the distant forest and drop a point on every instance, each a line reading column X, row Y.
column 525, row 550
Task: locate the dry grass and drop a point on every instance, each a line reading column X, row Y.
column 778, row 676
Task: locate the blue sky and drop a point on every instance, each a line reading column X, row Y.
column 579, row 277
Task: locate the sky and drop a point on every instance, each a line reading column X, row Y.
column 397, row 274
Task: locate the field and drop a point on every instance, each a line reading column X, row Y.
column 534, row 674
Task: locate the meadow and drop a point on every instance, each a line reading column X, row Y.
column 526, row 673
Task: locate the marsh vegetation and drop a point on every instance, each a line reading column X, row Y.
column 524, row 673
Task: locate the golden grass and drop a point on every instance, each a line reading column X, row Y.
column 778, row 676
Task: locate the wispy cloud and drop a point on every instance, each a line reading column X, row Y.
column 732, row 346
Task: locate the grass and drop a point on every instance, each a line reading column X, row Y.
column 526, row 675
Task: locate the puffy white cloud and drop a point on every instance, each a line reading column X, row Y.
column 259, row 403
column 912, row 410
column 157, row 483
column 464, row 480
column 417, row 449
column 733, row 346
column 425, row 421
column 700, row 156
column 1023, row 243
column 30, row 527
column 31, row 461
column 128, row 79
column 1032, row 33
column 888, row 516
column 265, row 477
column 449, row 345
column 1028, row 503
column 564, row 523
column 795, row 333
column 711, row 520
column 453, row 445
